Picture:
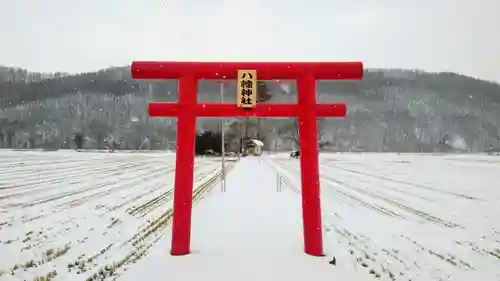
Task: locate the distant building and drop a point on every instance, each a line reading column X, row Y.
column 254, row 147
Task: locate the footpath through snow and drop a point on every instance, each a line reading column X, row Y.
column 253, row 231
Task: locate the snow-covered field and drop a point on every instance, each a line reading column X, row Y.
column 411, row 216
column 78, row 216
column 74, row 214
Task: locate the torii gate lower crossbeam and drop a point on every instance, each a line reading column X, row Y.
column 187, row 109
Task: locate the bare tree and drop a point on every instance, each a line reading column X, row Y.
column 291, row 131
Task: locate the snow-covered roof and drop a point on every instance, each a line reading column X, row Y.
column 257, row 142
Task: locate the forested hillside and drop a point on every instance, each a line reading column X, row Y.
column 390, row 110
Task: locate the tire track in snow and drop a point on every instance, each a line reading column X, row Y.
column 332, row 182
column 18, row 171
column 58, row 177
column 399, row 205
column 414, row 185
column 382, row 186
column 345, row 196
column 119, row 186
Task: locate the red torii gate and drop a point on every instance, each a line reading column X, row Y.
column 187, row 109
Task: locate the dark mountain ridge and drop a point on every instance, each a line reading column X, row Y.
column 389, row 110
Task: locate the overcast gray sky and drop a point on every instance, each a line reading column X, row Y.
column 74, row 36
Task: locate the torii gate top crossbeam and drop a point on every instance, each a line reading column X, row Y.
column 265, row 70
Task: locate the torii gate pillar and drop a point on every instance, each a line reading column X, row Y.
column 187, row 109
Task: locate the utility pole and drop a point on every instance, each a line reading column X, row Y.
column 223, row 150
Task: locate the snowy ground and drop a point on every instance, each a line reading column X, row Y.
column 74, row 216
column 411, row 216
